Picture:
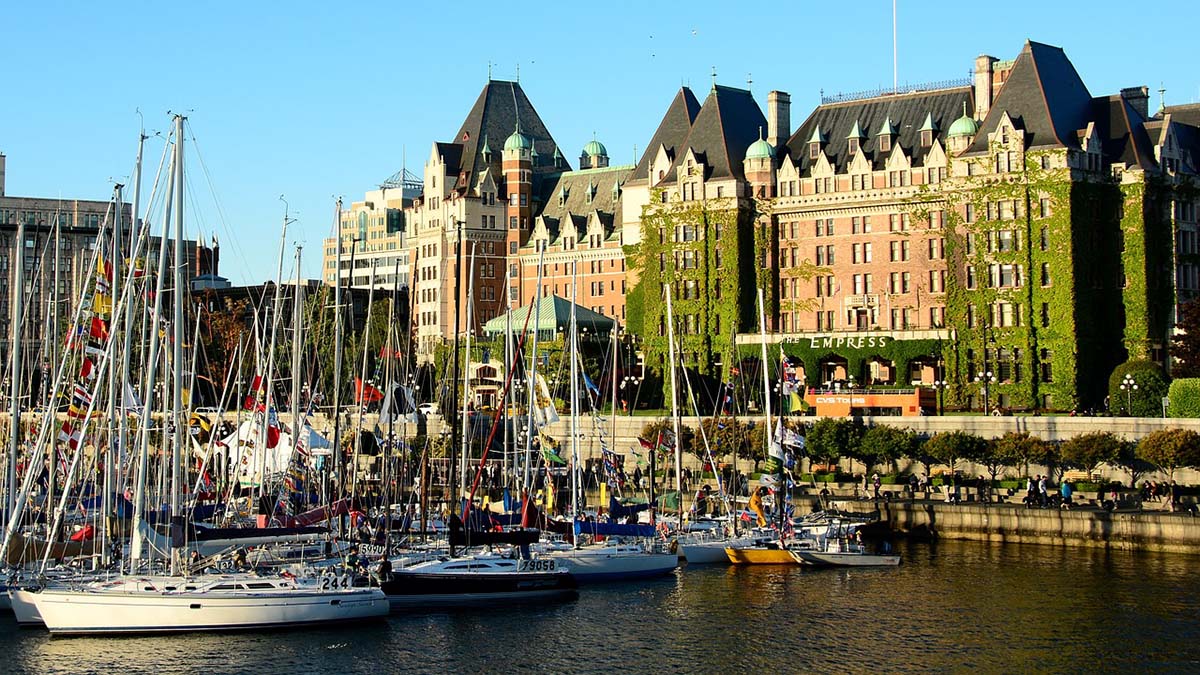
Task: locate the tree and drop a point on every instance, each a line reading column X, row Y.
column 885, row 444
column 1021, row 448
column 948, row 447
column 831, row 438
column 1089, row 451
column 1170, row 449
column 687, row 442
column 1146, row 399
column 1185, row 344
column 1129, row 460
column 725, row 436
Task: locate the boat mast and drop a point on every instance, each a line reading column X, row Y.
column 455, row 429
column 14, row 369
column 297, row 343
column 674, row 404
column 466, row 400
column 762, row 330
column 177, row 359
column 110, row 458
column 152, row 366
column 362, row 384
column 537, row 326
column 508, row 394
column 338, row 456
column 574, row 366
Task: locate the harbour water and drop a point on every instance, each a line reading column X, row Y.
column 952, row 606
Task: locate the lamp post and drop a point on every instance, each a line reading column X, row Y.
column 985, row 378
column 1128, row 385
column 939, row 387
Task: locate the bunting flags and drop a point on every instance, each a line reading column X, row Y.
column 587, row 382
column 71, row 435
column 774, row 462
column 550, row 449
column 87, row 369
column 611, row 469
column 252, row 396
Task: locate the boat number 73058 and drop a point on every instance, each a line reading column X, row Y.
column 538, row 565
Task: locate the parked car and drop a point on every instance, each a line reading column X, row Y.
column 428, row 408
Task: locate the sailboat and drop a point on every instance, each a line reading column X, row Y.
column 178, row 601
column 762, row 550
column 616, row 559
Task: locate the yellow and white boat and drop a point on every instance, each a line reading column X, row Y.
column 760, row 553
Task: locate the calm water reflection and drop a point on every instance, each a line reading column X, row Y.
column 951, row 606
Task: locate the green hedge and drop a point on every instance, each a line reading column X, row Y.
column 1151, row 388
column 1185, row 397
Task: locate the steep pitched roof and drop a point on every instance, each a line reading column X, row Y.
column 1123, row 132
column 1187, row 113
column 451, row 153
column 908, row 112
column 495, row 115
column 1044, row 96
column 672, row 130
column 728, row 122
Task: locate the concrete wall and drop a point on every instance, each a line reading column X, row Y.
column 1132, row 530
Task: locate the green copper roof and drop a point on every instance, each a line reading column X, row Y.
column 760, row 149
column 856, row 131
column 964, row 126
column 518, row 141
column 928, row 124
column 887, row 128
column 595, row 148
column 818, row 136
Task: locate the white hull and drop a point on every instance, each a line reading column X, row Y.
column 591, row 564
column 95, row 610
column 24, row 607
column 844, row 559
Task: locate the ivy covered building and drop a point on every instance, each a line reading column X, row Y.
column 1012, row 225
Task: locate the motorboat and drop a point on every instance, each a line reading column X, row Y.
column 475, row 580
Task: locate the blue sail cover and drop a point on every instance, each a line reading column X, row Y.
column 613, row 529
column 617, row 510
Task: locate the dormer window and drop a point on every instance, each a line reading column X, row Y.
column 885, row 143
column 852, row 145
column 814, row 150
column 926, row 138
column 927, row 129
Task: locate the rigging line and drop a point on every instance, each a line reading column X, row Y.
column 217, row 202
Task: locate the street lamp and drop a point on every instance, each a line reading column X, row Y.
column 939, row 386
column 986, row 379
column 1128, row 385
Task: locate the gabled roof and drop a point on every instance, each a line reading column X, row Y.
column 495, row 115
column 908, row 112
column 551, row 313
column 1044, row 96
column 1187, row 113
column 672, row 130
column 728, row 122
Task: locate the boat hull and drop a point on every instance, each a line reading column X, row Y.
column 24, row 607
column 413, row 590
column 82, row 612
column 760, row 556
column 844, row 559
column 591, row 567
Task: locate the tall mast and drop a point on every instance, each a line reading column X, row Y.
column 127, row 314
column 529, row 429
column 297, row 343
column 14, row 370
column 269, row 374
column 152, row 367
column 508, row 359
column 762, row 329
column 177, row 331
column 110, row 458
column 455, row 429
column 338, row 457
column 574, row 366
column 466, row 422
column 362, row 383
column 674, row 402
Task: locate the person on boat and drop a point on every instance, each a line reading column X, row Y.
column 194, row 560
column 352, row 561
column 383, row 571
column 239, row 558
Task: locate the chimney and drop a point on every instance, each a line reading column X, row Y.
column 1137, row 97
column 983, row 84
column 1, row 174
column 779, row 118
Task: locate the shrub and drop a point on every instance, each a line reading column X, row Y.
column 1146, row 400
column 1018, row 449
column 1185, row 397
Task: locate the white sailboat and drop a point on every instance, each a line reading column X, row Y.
column 132, row 603
column 614, row 560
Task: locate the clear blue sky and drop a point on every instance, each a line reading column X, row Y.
column 315, row 100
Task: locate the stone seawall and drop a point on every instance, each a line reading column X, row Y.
column 1123, row 530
